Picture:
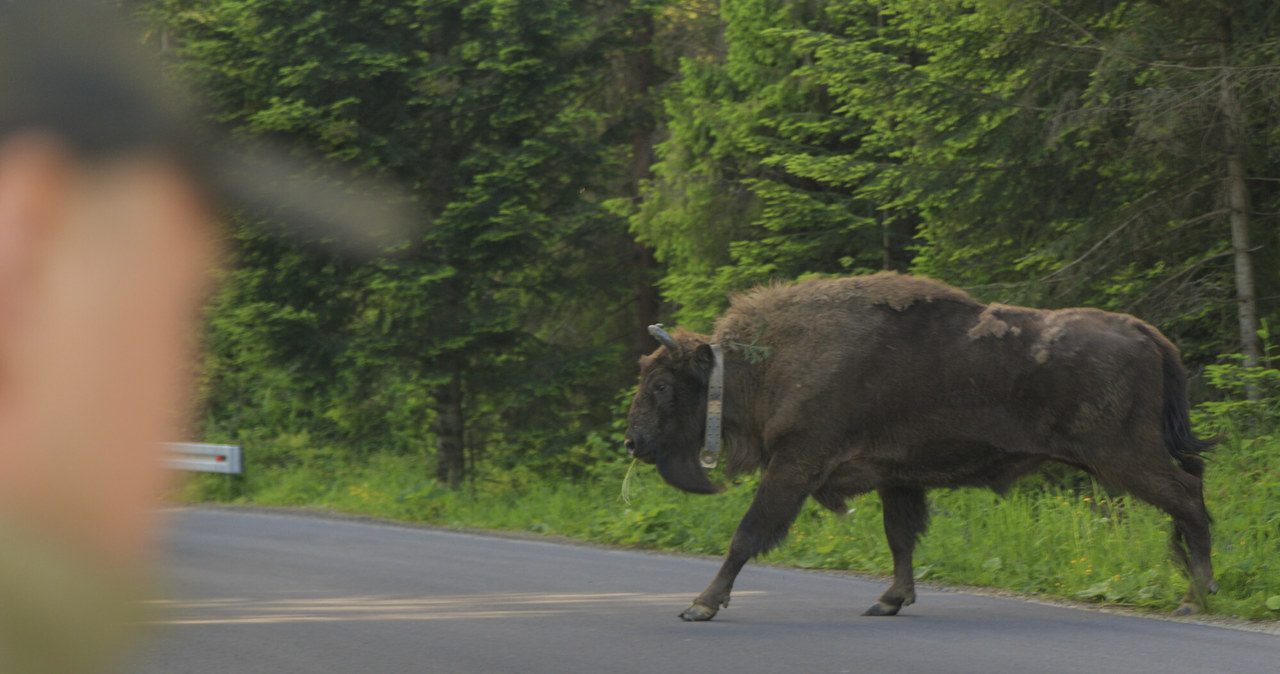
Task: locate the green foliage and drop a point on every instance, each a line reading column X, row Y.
column 1237, row 412
column 1052, row 154
column 743, row 192
column 1058, row 153
column 486, row 330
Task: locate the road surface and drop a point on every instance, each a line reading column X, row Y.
column 274, row 593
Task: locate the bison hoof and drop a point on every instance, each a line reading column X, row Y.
column 697, row 613
column 882, row 609
column 1187, row 608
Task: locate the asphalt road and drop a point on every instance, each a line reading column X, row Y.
column 277, row 593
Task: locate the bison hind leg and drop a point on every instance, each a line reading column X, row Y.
column 1186, row 544
column 1179, row 493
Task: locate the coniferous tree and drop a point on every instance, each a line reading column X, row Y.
column 477, row 107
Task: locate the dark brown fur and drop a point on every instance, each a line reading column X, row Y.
column 900, row 384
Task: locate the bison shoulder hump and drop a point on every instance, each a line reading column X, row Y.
column 752, row 312
column 899, row 292
column 891, row 289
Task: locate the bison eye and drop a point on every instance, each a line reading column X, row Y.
column 661, row 387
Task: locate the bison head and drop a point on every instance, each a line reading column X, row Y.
column 666, row 423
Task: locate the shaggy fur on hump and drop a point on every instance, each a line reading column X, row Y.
column 891, row 289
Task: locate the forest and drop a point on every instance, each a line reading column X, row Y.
column 584, row 168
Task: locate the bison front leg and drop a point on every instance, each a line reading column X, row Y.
column 905, row 519
column 774, row 508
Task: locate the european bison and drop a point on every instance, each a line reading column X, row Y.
column 901, row 384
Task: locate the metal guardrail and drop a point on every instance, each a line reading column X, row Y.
column 203, row 457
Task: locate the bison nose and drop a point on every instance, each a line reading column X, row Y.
column 639, row 451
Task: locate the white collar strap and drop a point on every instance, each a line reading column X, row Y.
column 710, row 455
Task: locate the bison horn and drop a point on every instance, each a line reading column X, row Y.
column 667, row 340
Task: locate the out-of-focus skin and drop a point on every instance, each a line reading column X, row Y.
column 103, row 268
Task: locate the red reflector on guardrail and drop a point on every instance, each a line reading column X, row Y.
column 200, row 456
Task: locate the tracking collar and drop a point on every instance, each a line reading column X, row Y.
column 710, row 455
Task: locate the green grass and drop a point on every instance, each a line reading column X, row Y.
column 1078, row 543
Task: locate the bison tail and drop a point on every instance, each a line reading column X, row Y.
column 1182, row 442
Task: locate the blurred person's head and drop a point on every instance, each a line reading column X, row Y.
column 109, row 193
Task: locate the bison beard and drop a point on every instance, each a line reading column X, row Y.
column 898, row 384
column 684, row 472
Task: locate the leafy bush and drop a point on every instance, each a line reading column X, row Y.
column 1250, row 400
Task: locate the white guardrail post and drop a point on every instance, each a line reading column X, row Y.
column 203, row 457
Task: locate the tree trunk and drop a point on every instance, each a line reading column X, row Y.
column 641, row 78
column 450, row 433
column 1237, row 196
column 897, row 233
column 647, row 299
